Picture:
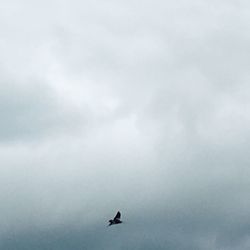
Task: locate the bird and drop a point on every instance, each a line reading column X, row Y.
column 116, row 219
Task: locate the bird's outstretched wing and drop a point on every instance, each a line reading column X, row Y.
column 118, row 215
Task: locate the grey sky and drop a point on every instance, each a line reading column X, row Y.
column 138, row 106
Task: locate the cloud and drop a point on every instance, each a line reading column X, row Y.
column 142, row 108
column 31, row 110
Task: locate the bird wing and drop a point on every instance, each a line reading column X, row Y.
column 118, row 215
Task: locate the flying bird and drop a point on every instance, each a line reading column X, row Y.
column 116, row 220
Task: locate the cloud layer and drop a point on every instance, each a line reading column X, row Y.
column 142, row 107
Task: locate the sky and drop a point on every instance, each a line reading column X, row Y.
column 136, row 106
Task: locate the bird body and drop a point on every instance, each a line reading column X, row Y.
column 116, row 219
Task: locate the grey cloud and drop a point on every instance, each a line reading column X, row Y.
column 176, row 231
column 30, row 110
column 131, row 106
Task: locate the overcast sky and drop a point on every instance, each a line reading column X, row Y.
column 137, row 106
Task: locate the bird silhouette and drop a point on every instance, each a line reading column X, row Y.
column 116, row 219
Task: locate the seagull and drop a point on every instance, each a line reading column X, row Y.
column 116, row 220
